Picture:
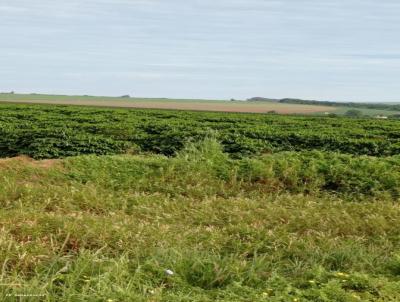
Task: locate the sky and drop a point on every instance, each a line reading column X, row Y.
column 341, row 50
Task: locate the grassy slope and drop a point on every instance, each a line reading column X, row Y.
column 280, row 228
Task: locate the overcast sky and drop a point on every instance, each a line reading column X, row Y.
column 346, row 50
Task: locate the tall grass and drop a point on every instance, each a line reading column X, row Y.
column 201, row 227
column 204, row 168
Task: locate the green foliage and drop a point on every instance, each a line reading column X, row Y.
column 297, row 222
column 305, row 172
column 394, row 116
column 93, row 228
column 202, row 169
column 353, row 113
column 58, row 131
column 380, row 106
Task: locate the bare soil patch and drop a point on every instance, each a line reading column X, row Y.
column 26, row 160
column 245, row 107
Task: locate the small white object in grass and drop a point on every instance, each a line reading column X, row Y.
column 169, row 272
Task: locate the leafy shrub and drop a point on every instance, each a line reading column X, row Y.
column 320, row 171
column 203, row 169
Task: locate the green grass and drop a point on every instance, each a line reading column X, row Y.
column 306, row 226
column 366, row 111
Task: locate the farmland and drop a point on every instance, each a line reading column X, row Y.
column 53, row 132
column 101, row 204
column 200, row 105
column 191, row 104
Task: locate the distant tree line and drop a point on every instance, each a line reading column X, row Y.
column 262, row 99
column 382, row 106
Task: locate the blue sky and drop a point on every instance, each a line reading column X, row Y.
column 347, row 50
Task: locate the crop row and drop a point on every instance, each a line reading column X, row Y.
column 42, row 131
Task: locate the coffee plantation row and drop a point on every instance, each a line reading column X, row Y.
column 43, row 131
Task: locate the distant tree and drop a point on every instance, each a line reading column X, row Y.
column 332, row 115
column 383, row 106
column 126, row 96
column 353, row 113
column 272, row 112
column 232, row 100
column 261, row 99
column 394, row 116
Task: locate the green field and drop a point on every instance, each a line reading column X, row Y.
column 59, row 131
column 367, row 112
column 157, row 205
